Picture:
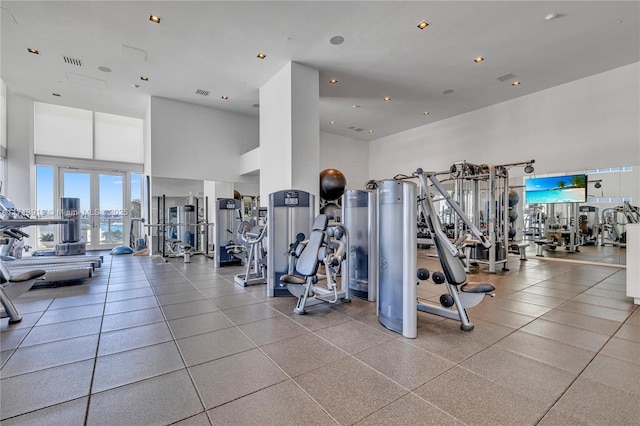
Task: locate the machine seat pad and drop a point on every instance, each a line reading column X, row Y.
column 477, row 288
column 292, row 279
column 29, row 275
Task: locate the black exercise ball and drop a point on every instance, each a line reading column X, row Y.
column 513, row 198
column 332, row 184
column 330, row 209
column 513, row 215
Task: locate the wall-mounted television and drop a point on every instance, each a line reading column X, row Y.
column 556, row 189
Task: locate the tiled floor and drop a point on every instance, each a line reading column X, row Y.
column 147, row 343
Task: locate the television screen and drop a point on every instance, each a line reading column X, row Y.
column 556, row 189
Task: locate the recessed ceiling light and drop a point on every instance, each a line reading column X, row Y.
column 144, row 78
column 370, row 131
column 425, row 113
column 56, row 94
column 256, row 105
column 515, row 83
column 332, row 122
column 135, row 86
column 224, row 97
column 551, row 16
column 333, row 81
column 478, row 59
column 336, row 40
column 34, row 51
column 386, row 98
column 104, row 69
column 447, row 92
column 155, row 18
column 261, row 55
column 422, row 25
column 355, row 106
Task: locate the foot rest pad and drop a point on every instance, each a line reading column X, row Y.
column 477, row 288
column 292, row 279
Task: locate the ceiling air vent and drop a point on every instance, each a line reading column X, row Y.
column 202, row 92
column 358, row 130
column 72, row 61
column 506, row 77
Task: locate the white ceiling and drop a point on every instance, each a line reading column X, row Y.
column 212, row 45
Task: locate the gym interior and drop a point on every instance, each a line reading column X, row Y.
column 255, row 213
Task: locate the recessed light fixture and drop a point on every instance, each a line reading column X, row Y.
column 144, row 78
column 333, row 81
column 355, row 106
column 135, row 86
column 34, row 51
column 261, row 55
column 447, row 92
column 425, row 113
column 56, row 94
column 224, row 97
column 154, row 18
column 332, row 122
column 515, row 83
column 478, row 59
column 104, row 69
column 370, row 131
column 422, row 25
column 386, row 98
column 551, row 16
column 336, row 40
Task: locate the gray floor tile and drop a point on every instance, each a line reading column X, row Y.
column 210, row 346
column 64, row 301
column 47, row 355
column 322, row 316
column 410, row 410
column 502, row 317
column 198, row 420
column 64, row 330
column 615, row 373
column 70, row 314
column 526, row 376
column 250, row 313
column 40, row 389
column 65, row 414
column 114, row 296
column 272, row 406
column 10, row 338
column 525, row 308
column 160, row 400
column 220, row 290
column 446, row 340
column 132, row 338
column 232, row 377
column 302, row 353
column 587, row 322
column 404, row 363
column 353, row 336
column 138, row 364
column 580, row 338
column 198, row 324
column 131, row 319
column 623, row 349
column 234, row 300
column 557, row 354
column 181, row 297
column 28, row 321
column 595, row 311
column 629, row 331
column 181, row 310
column 130, row 305
column 358, row 382
column 556, row 418
column 485, row 402
column 597, row 404
column 272, row 330
column 626, row 304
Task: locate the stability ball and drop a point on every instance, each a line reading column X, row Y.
column 332, row 184
column 513, row 198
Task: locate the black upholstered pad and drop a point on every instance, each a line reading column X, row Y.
column 477, row 288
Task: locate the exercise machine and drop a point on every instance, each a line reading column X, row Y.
column 397, row 270
column 359, row 217
column 326, row 246
column 12, row 286
column 227, row 218
column 252, row 238
column 290, row 213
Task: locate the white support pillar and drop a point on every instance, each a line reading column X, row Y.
column 290, row 131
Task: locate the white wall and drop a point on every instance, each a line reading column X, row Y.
column 587, row 123
column 193, row 142
column 349, row 155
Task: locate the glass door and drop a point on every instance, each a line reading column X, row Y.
column 102, row 210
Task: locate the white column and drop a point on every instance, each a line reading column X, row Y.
column 290, row 131
column 633, row 268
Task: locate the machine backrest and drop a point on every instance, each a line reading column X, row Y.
column 307, row 264
column 451, row 265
